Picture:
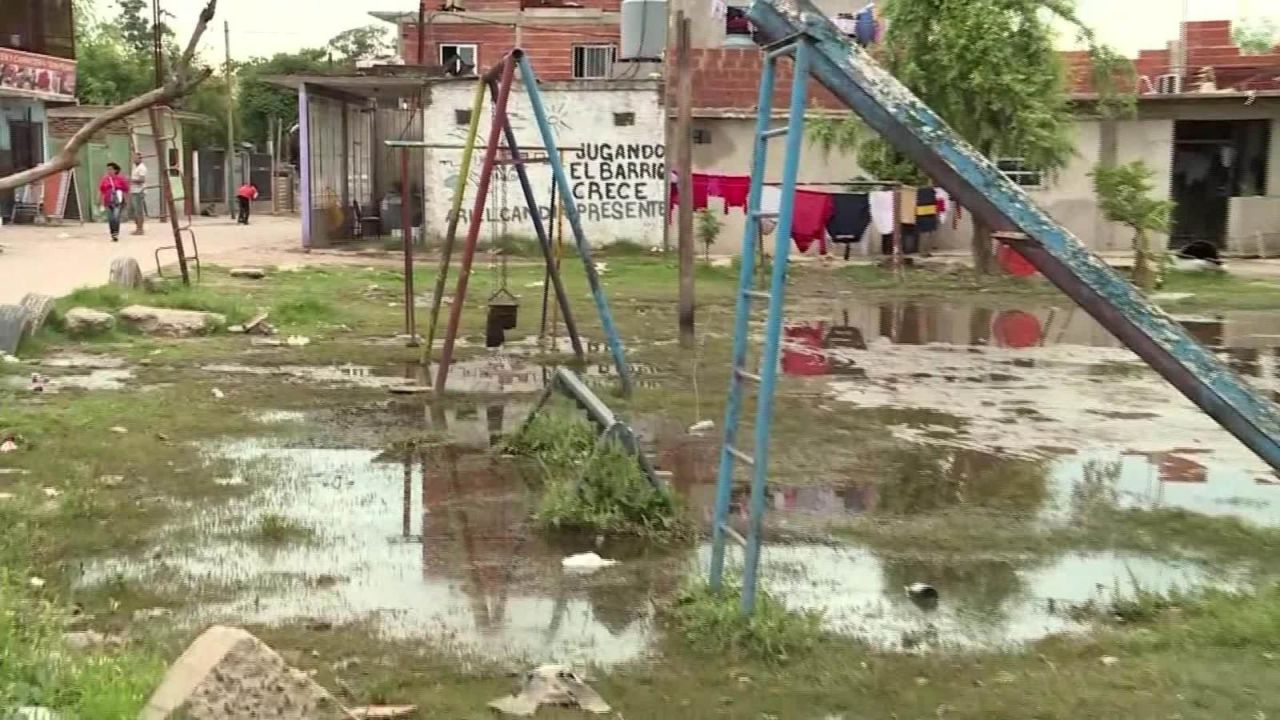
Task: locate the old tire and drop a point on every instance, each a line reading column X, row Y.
column 125, row 273
column 13, row 325
column 39, row 307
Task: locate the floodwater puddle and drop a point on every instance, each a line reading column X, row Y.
column 439, row 545
column 1044, row 383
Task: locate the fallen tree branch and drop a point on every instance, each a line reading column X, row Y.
column 181, row 83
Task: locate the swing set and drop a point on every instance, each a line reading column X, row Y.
column 501, row 148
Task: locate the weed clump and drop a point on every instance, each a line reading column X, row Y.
column 275, row 529
column 712, row 621
column 594, row 488
column 38, row 669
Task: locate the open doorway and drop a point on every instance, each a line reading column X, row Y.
column 1214, row 161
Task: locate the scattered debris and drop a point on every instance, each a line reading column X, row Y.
column 85, row 639
column 36, row 582
column 551, row 685
column 87, row 321
column 257, row 325
column 8, row 359
column 119, row 430
column 702, row 426
column 13, row 471
column 383, row 712
column 586, row 562
column 151, row 613
column 6, row 496
column 218, row 394
column 248, row 273
column 602, row 268
column 52, row 492
column 297, row 341
column 228, row 673
column 410, row 389
column 1109, row 660
column 111, row 481
column 233, row 481
column 37, row 383
column 125, row 273
column 923, row 594
column 168, row 322
column 8, row 445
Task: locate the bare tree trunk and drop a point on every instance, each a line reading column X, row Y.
column 981, row 247
column 182, row 81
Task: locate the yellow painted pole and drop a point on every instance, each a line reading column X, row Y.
column 460, row 189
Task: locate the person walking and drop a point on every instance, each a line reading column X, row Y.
column 247, row 193
column 113, row 189
column 138, row 193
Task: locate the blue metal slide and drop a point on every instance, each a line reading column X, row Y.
column 907, row 124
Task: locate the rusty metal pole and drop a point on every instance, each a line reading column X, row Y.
column 497, row 122
column 684, row 167
column 406, row 232
column 166, row 190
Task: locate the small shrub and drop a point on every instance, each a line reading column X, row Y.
column 599, row 489
column 713, row 622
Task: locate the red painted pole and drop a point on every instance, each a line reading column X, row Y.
column 477, row 218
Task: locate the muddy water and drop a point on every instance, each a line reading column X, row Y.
column 1046, row 385
column 439, row 546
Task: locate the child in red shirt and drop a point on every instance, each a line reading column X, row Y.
column 113, row 189
column 247, row 193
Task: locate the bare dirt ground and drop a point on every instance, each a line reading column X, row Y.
column 55, row 260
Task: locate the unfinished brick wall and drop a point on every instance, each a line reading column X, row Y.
column 62, row 127
column 548, row 42
column 729, row 79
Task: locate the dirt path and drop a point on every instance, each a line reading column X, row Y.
column 56, row 260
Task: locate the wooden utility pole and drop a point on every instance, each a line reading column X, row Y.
column 228, row 164
column 684, row 169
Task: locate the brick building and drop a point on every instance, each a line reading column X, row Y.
column 563, row 40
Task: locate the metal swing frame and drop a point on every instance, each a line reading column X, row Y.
column 497, row 83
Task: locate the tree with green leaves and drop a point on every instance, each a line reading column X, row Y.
column 1256, row 37
column 363, row 43
column 259, row 101
column 990, row 70
column 1124, row 194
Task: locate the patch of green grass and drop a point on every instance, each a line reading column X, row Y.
column 712, row 622
column 1220, row 291
column 594, row 487
column 275, row 529
column 38, row 669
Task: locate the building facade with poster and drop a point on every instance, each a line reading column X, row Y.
column 37, row 71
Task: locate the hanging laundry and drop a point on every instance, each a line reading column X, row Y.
column 734, row 190
column 700, row 187
column 907, row 205
column 850, row 216
column 866, row 28
column 944, row 206
column 770, row 201
column 881, row 202
column 846, row 23
column 926, row 210
column 809, row 215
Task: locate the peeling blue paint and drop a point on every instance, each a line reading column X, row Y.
column 905, row 122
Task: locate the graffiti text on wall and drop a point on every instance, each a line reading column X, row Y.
column 609, row 182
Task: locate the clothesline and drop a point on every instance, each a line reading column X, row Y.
column 840, row 216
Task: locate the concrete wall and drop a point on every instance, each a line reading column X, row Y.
column 617, row 177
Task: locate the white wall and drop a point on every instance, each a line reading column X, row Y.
column 617, row 176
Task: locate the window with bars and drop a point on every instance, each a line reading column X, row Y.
column 593, row 61
column 1022, row 174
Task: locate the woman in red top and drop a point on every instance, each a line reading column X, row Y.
column 114, row 189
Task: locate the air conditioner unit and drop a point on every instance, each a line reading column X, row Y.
column 1169, row 84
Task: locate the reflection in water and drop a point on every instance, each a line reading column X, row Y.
column 437, row 544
